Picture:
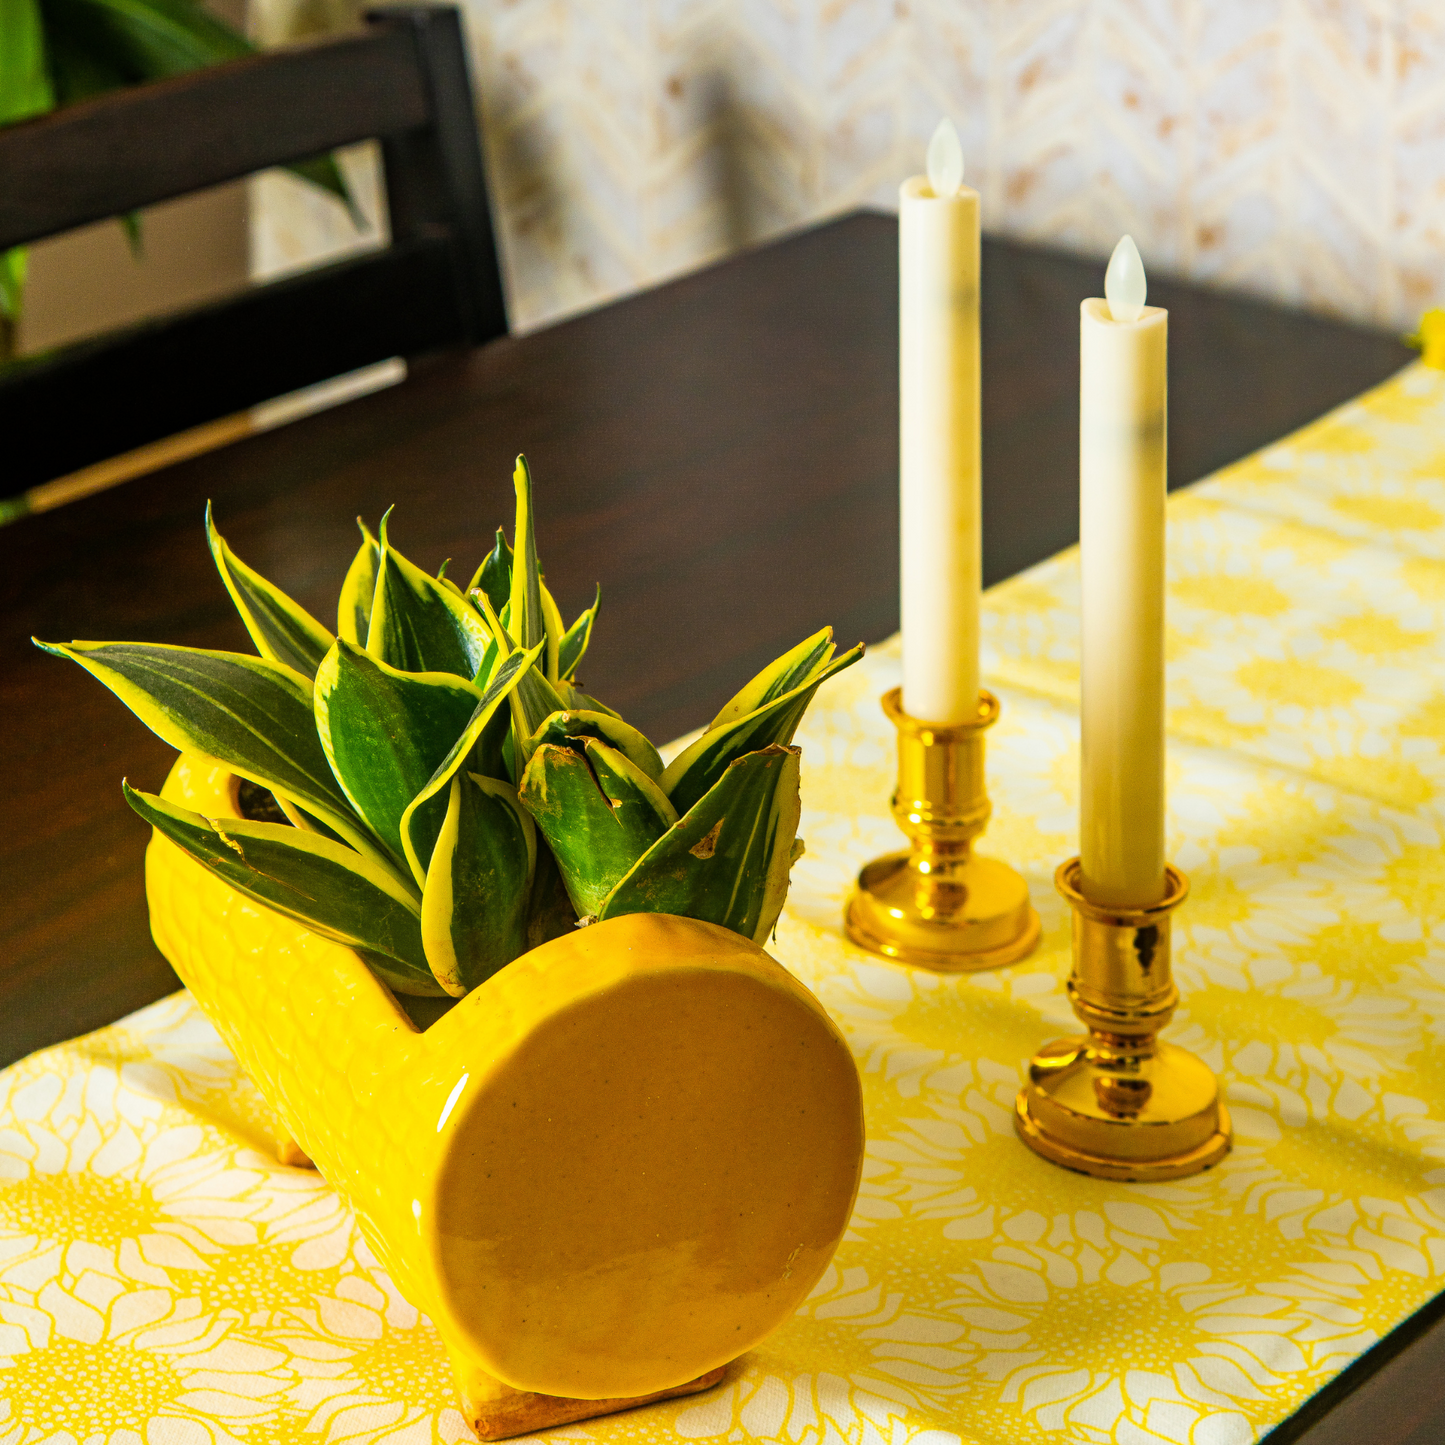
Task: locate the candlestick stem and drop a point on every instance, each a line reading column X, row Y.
column 937, row 903
column 1119, row 1103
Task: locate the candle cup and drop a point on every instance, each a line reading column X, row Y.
column 938, row 904
column 1118, row 1103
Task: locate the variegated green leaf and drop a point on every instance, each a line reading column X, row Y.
column 561, row 727
column 578, row 701
column 629, row 790
column 598, row 812
column 319, row 882
column 552, row 624
column 727, row 861
column 535, row 699
column 300, row 818
column 575, row 640
column 533, row 615
column 419, row 625
column 499, row 643
column 790, row 670
column 251, row 714
column 698, row 767
column 488, row 755
column 487, row 669
column 423, row 818
column 494, row 576
column 478, row 883
column 282, row 630
column 353, row 611
column 385, row 732
column 527, row 624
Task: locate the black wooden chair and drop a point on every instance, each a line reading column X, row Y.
column 403, row 80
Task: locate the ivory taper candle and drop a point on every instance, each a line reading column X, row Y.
column 939, row 436
column 1122, row 441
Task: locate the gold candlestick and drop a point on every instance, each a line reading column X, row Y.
column 1118, row 1103
column 937, row 903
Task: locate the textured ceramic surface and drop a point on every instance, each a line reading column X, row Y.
column 615, row 1166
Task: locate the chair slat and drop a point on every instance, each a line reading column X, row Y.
column 166, row 376
column 100, row 157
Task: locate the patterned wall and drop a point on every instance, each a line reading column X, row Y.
column 1291, row 147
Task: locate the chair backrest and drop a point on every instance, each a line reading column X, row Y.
column 404, row 81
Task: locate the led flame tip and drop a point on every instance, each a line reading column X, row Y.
column 1125, row 285
column 945, row 161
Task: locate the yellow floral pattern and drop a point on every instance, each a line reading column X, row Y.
column 164, row 1282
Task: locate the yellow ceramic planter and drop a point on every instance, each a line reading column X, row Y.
column 604, row 1174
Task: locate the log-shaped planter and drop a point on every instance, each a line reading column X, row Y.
column 604, row 1174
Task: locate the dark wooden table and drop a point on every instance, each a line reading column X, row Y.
column 720, row 453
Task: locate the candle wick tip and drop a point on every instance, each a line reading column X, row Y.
column 945, row 160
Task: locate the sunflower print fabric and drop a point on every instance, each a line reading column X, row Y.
column 164, row 1282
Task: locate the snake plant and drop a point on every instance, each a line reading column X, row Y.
column 452, row 797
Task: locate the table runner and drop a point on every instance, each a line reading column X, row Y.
column 163, row 1280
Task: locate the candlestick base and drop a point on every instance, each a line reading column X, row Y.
column 1117, row 1103
column 937, row 904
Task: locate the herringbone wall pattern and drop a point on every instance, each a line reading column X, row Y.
column 1291, row 147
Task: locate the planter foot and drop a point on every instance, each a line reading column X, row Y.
column 290, row 1153
column 497, row 1412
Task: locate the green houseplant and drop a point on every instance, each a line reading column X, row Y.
column 451, row 797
